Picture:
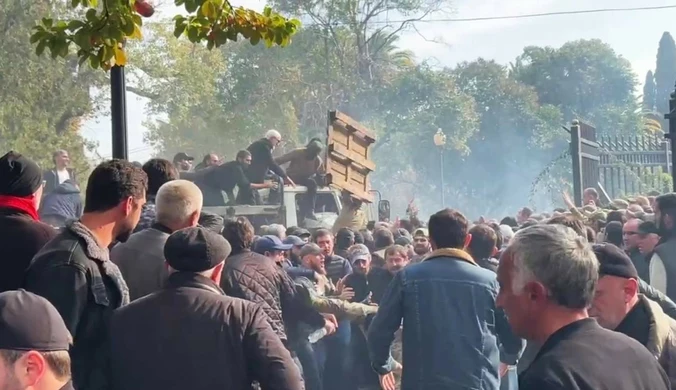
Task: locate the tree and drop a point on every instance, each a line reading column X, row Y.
column 649, row 91
column 44, row 102
column 99, row 33
column 665, row 73
column 586, row 79
column 515, row 141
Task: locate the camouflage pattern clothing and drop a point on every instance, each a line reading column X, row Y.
column 148, row 214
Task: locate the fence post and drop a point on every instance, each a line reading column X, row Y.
column 575, row 146
column 671, row 135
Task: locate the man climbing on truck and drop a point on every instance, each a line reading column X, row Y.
column 305, row 168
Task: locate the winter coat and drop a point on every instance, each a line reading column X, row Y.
column 61, row 205
column 148, row 214
column 190, row 335
column 256, row 278
column 51, row 179
column 262, row 161
column 21, row 238
column 75, row 274
column 662, row 338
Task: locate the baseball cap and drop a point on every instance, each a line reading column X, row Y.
column 182, row 156
column 310, row 249
column 421, row 232
column 19, row 176
column 270, row 243
column 614, row 262
column 359, row 252
column 298, row 232
column 30, row 322
column 293, row 240
column 195, row 249
column 648, row 227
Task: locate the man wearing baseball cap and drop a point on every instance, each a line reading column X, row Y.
column 190, row 335
column 34, row 344
column 618, row 306
column 272, row 247
column 421, row 245
column 183, row 162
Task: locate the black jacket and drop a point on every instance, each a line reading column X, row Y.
column 190, row 335
column 21, row 238
column 258, row 279
column 584, row 356
column 262, row 161
column 76, row 276
column 52, row 179
column 379, row 279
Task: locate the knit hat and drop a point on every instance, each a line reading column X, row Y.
column 19, row 176
column 614, row 262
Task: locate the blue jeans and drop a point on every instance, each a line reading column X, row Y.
column 337, row 360
column 306, row 356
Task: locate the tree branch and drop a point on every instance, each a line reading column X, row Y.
column 140, row 92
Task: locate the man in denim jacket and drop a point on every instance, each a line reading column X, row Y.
column 453, row 334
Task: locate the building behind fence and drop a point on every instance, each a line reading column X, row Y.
column 619, row 165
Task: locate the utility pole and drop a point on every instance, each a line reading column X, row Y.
column 671, row 135
column 118, row 111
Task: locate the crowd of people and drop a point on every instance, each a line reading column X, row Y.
column 144, row 290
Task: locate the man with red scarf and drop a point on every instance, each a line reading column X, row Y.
column 22, row 235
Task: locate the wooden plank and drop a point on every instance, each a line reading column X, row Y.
column 354, row 125
column 353, row 157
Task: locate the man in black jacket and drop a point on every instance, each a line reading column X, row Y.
column 74, row 272
column 262, row 161
column 190, row 335
column 254, row 277
column 547, row 279
column 22, row 234
column 60, row 173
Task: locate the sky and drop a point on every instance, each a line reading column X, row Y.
column 634, row 35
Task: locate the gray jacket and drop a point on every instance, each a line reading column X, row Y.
column 141, row 261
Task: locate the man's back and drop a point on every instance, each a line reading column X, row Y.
column 141, row 261
column 20, row 239
column 191, row 336
column 450, row 325
column 584, row 356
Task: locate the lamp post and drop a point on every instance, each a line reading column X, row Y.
column 440, row 142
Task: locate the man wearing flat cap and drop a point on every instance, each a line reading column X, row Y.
column 190, row 335
column 618, row 306
column 22, row 235
column 34, row 343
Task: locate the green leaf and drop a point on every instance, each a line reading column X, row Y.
column 137, row 19
column 191, row 5
column 63, row 50
column 267, row 11
column 83, row 59
column 210, row 45
column 179, row 3
column 128, row 29
column 91, row 15
column 93, row 3
column 209, row 10
column 193, row 34
column 74, row 3
column 36, row 37
column 47, row 22
column 75, row 24
column 41, row 47
column 179, row 29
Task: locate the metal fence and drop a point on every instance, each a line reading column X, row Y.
column 618, row 165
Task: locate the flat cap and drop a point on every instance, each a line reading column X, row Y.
column 19, row 176
column 195, row 249
column 29, row 322
column 614, row 262
column 293, row 240
column 310, row 249
column 648, row 227
column 297, row 231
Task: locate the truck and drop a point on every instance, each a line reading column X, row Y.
column 348, row 163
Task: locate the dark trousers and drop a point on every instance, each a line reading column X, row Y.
column 308, row 202
column 338, row 360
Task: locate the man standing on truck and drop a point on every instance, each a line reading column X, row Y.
column 305, row 165
column 262, row 162
column 215, row 179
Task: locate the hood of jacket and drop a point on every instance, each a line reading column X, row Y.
column 67, row 187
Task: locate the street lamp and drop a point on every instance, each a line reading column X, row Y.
column 440, row 141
